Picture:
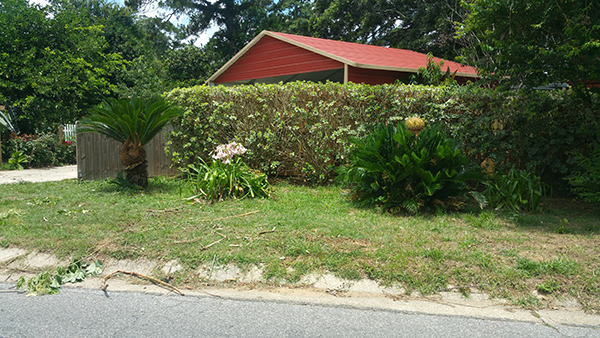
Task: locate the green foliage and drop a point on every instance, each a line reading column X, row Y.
column 134, row 122
column 6, row 121
column 4, row 215
column 123, row 119
column 421, row 25
column 517, row 190
column 396, row 170
column 46, row 283
column 534, row 42
column 233, row 34
column 216, row 181
column 585, row 183
column 53, row 64
column 189, row 66
column 17, row 159
column 122, row 184
column 42, row 150
column 302, row 129
column 432, row 75
column 59, row 60
column 541, row 132
column 65, row 152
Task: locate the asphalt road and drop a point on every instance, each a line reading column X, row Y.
column 93, row 313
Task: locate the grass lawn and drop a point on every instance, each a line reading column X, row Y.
column 556, row 252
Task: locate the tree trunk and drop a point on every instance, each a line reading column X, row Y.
column 133, row 158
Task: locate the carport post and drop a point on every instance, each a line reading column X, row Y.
column 345, row 73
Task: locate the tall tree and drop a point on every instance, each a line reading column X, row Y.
column 189, row 65
column 533, row 42
column 53, row 64
column 237, row 21
column 426, row 26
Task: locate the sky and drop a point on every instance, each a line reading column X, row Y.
column 200, row 40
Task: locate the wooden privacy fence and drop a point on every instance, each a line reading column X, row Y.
column 98, row 156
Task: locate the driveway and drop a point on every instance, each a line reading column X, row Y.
column 38, row 175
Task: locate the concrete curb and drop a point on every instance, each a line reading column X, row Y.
column 324, row 290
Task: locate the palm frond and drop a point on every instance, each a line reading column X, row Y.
column 6, row 122
column 121, row 119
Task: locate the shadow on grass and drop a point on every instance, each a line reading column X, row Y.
column 156, row 185
column 560, row 216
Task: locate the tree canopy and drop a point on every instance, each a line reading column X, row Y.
column 53, row 64
column 534, row 42
column 59, row 60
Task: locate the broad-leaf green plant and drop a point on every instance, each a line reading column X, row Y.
column 399, row 171
column 518, row 190
column 17, row 159
column 227, row 176
column 133, row 122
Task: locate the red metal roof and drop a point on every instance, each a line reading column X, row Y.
column 272, row 57
column 260, row 58
column 368, row 55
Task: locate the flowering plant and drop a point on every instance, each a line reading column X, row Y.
column 225, row 152
column 224, row 178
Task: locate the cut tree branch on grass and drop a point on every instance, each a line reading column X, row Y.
column 211, row 244
column 228, row 217
column 267, row 231
column 164, row 210
column 103, row 286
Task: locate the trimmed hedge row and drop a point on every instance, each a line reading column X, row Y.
column 302, row 128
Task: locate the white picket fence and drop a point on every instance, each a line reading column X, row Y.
column 69, row 132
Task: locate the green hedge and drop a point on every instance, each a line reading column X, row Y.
column 302, row 128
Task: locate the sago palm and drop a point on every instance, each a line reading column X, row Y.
column 133, row 122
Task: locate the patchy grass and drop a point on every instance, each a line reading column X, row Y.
column 556, row 252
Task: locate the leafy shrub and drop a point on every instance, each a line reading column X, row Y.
column 43, row 150
column 538, row 131
column 397, row 170
column 585, row 183
column 517, row 190
column 223, row 178
column 65, row 153
column 303, row 128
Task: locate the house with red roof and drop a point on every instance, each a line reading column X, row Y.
column 273, row 57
